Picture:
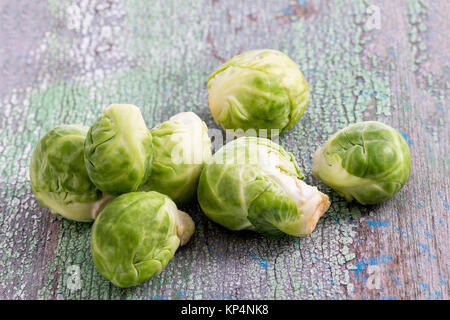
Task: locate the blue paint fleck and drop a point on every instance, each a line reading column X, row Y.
column 427, row 250
column 335, row 220
column 412, row 226
column 287, row 11
column 382, row 259
column 407, row 138
column 446, row 204
column 262, row 261
column 159, row 298
column 378, row 223
column 427, row 233
column 423, row 285
column 403, row 233
column 216, row 254
column 388, row 298
column 426, row 287
column 394, row 278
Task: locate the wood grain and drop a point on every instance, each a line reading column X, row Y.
column 63, row 61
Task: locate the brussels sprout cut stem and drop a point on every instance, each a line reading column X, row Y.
column 253, row 183
column 98, row 206
column 368, row 162
column 185, row 227
column 136, row 235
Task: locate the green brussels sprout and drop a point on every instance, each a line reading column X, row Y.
column 58, row 176
column 252, row 183
column 181, row 147
column 118, row 150
column 136, row 235
column 368, row 162
column 258, row 89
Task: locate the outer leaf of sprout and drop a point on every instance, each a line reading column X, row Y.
column 259, row 89
column 136, row 235
column 181, row 147
column 253, row 183
column 368, row 162
column 118, row 150
column 59, row 178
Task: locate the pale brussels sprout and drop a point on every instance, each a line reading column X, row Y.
column 181, row 147
column 254, row 184
column 259, row 89
column 368, row 162
column 118, row 150
column 136, row 235
column 59, row 179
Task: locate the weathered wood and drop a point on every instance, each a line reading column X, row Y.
column 63, row 61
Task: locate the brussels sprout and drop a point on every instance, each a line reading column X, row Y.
column 181, row 147
column 252, row 183
column 259, row 89
column 59, row 179
column 368, row 162
column 136, row 235
column 118, row 150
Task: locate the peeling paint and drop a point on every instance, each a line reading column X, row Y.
column 93, row 53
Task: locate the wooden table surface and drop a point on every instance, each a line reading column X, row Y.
column 387, row 60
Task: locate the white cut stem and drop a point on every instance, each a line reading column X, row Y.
column 185, row 227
